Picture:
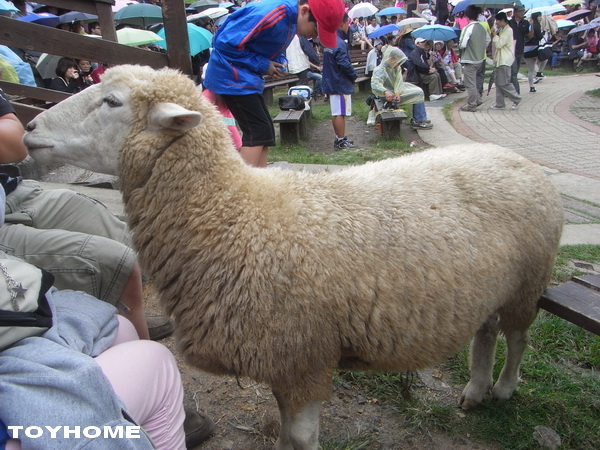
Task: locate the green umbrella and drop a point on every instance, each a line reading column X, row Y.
column 134, row 37
column 200, row 38
column 140, row 14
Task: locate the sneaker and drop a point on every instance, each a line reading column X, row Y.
column 468, row 108
column 342, row 144
column 536, row 80
column 198, row 427
column 348, row 140
column 532, row 89
column 497, row 107
column 159, row 327
column 413, row 121
column 515, row 105
column 540, row 75
column 448, row 86
column 435, row 97
column 421, row 125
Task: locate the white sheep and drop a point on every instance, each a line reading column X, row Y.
column 286, row 276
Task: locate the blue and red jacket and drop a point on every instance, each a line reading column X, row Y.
column 247, row 42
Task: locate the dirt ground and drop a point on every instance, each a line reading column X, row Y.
column 246, row 414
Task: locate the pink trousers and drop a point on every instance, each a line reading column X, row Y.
column 144, row 375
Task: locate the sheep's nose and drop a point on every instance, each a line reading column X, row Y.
column 30, row 126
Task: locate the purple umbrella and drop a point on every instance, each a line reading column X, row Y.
column 577, row 14
column 47, row 19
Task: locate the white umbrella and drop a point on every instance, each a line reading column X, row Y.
column 546, row 10
column 209, row 13
column 362, row 10
column 412, row 22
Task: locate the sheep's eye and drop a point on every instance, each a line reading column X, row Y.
column 112, row 101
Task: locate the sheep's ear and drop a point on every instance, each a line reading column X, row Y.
column 173, row 117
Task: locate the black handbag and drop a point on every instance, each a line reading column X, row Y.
column 291, row 102
column 545, row 53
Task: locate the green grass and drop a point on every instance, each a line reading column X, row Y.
column 560, row 386
column 563, row 271
column 594, row 93
column 378, row 149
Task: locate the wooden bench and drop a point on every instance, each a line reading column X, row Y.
column 271, row 83
column 293, row 125
column 388, row 121
column 577, row 301
column 359, row 62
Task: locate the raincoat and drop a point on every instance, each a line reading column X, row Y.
column 387, row 76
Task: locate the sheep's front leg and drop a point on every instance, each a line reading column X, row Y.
column 299, row 429
column 483, row 353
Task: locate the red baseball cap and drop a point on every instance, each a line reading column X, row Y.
column 329, row 15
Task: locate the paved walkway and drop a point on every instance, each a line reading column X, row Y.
column 545, row 130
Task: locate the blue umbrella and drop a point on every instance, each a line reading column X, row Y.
column 47, row 19
column 528, row 4
column 383, row 30
column 76, row 16
column 7, row 7
column 435, row 33
column 391, row 11
column 200, row 38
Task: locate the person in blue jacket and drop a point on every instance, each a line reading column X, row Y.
column 250, row 44
column 338, row 83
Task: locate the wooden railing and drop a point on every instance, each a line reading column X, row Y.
column 29, row 36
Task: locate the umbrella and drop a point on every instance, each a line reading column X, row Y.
column 564, row 23
column 597, row 19
column 412, row 22
column 141, row 14
column 47, row 19
column 495, row 3
column 46, row 65
column 587, row 26
column 391, row 11
column 529, row 4
column 76, row 16
column 122, row 4
column 200, row 38
column 209, row 13
column 461, row 6
column 381, row 31
column 7, row 7
column 577, row 14
column 362, row 10
column 435, row 33
column 134, row 37
column 226, row 4
column 203, row 4
column 572, row 2
column 546, row 10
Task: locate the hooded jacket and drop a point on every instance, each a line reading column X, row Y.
column 247, row 42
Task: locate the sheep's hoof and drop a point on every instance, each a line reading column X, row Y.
column 472, row 395
column 503, row 392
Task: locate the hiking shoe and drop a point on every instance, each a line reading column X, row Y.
column 468, row 108
column 413, row 121
column 497, row 107
column 532, row 89
column 515, row 105
column 342, row 144
column 435, row 97
column 421, row 125
column 198, row 427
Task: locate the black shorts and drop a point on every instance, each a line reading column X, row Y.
column 253, row 117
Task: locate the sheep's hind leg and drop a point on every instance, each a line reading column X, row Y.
column 483, row 352
column 300, row 429
column 516, row 343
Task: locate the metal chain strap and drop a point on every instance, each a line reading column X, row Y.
column 15, row 290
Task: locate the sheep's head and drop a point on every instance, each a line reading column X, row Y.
column 91, row 129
